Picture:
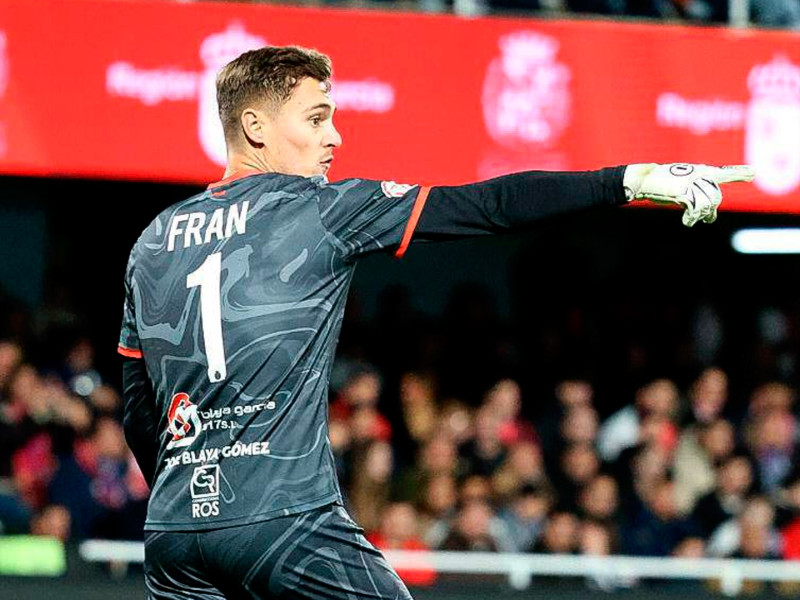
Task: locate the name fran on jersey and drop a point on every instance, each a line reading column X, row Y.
column 197, row 228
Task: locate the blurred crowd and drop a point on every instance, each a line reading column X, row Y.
column 762, row 13
column 65, row 469
column 672, row 474
column 447, row 435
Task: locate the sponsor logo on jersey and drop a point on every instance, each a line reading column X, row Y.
column 392, row 189
column 205, row 455
column 205, row 482
column 183, row 422
column 204, row 488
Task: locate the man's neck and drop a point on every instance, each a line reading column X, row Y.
column 238, row 163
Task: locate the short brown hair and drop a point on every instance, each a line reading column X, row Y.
column 269, row 75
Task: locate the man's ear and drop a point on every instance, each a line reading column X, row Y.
column 254, row 126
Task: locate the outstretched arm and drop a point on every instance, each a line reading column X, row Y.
column 517, row 201
column 514, row 202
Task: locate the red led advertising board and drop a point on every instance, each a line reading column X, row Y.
column 126, row 90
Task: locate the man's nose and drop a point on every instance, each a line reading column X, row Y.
column 333, row 139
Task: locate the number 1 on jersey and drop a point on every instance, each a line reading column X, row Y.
column 207, row 277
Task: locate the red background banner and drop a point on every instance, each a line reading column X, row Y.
column 125, row 90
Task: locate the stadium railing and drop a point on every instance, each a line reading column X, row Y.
column 616, row 571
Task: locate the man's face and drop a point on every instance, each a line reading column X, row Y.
column 301, row 138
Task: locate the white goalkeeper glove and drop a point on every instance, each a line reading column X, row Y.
column 694, row 187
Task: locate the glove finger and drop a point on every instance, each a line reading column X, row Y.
column 714, row 198
column 690, row 218
column 730, row 174
column 692, row 213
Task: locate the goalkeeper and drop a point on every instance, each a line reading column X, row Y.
column 233, row 303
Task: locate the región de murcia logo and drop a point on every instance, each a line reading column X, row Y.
column 175, row 84
column 527, row 100
column 771, row 120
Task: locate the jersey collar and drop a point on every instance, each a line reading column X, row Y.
column 235, row 177
column 319, row 179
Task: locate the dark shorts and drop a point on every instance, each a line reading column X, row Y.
column 317, row 554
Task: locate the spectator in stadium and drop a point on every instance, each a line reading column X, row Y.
column 560, row 535
column 524, row 517
column 16, row 424
column 568, row 395
column 361, row 389
column 371, row 482
column 769, row 397
column 45, row 419
column 524, row 466
column 751, row 534
column 419, row 409
column 79, row 372
column 367, row 425
column 474, row 529
column 504, row 400
column 437, row 508
column 772, row 439
column 596, row 538
column 579, row 466
column 776, row 13
column 655, row 528
column 646, row 464
column 485, row 452
column 672, row 10
column 398, row 531
column 733, row 483
column 597, row 7
column 658, row 398
column 53, row 521
column 700, row 448
column 580, row 425
column 788, row 516
column 10, row 359
column 105, row 401
column 439, row 456
column 102, row 490
column 599, row 500
column 708, row 397
column 476, row 488
column 455, row 420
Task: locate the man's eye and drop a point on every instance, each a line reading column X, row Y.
column 316, row 121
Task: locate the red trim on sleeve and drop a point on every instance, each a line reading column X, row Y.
column 419, row 204
column 129, row 352
column 234, row 177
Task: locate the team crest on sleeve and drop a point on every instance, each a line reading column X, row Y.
column 392, row 189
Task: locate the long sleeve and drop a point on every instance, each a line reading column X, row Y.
column 140, row 420
column 515, row 202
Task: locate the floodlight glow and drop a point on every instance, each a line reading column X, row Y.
column 776, row 240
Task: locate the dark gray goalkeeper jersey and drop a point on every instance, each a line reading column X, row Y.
column 234, row 300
